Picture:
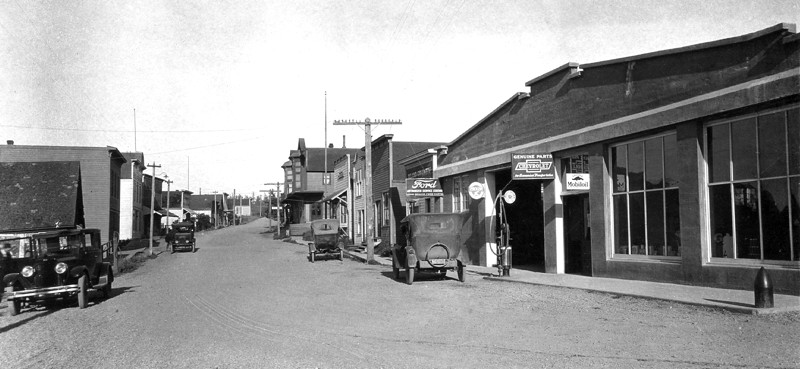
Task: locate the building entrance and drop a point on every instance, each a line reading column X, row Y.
column 577, row 235
column 525, row 218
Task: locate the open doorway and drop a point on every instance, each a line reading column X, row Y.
column 577, row 235
column 525, row 219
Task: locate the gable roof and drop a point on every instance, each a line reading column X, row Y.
column 39, row 195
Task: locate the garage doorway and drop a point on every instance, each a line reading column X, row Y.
column 525, row 219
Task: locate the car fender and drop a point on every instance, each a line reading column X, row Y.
column 78, row 271
column 10, row 278
column 411, row 257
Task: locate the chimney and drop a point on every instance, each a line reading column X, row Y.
column 10, row 142
column 343, row 142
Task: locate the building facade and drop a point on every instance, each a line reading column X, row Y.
column 678, row 166
column 100, row 178
column 131, row 224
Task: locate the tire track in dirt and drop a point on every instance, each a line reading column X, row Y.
column 242, row 324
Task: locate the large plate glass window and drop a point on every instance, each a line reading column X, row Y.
column 645, row 197
column 754, row 186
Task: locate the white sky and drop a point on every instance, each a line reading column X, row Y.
column 228, row 87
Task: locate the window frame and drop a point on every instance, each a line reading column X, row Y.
column 612, row 194
column 731, row 183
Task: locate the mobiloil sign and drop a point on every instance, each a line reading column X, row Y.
column 532, row 166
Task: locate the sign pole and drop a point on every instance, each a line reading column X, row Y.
column 367, row 123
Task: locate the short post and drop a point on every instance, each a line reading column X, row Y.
column 763, row 290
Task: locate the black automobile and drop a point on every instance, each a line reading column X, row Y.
column 328, row 239
column 433, row 245
column 182, row 236
column 54, row 264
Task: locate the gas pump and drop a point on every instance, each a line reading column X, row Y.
column 503, row 245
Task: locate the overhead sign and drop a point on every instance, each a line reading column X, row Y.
column 532, row 166
column 423, row 187
column 476, row 191
column 577, row 181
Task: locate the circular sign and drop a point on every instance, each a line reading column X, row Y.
column 476, row 190
column 510, row 197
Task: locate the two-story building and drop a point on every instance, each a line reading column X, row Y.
column 680, row 166
column 308, row 179
column 100, row 171
column 389, row 184
column 131, row 224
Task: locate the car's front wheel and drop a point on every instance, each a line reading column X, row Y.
column 83, row 294
column 13, row 305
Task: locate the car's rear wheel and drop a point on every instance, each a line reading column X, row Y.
column 410, row 275
column 14, row 305
column 460, row 271
column 83, row 294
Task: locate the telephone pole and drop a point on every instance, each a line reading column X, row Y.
column 152, row 204
column 367, row 123
column 278, row 185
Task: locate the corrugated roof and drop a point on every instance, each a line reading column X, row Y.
column 37, row 195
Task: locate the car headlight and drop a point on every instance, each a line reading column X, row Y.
column 27, row 271
column 61, row 268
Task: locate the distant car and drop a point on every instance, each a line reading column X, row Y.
column 55, row 264
column 327, row 239
column 182, row 236
column 433, row 245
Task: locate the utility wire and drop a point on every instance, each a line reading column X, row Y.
column 137, row 131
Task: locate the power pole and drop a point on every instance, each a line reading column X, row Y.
column 368, row 175
column 152, row 204
column 278, row 185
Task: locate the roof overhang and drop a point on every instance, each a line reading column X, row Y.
column 304, row 196
column 337, row 195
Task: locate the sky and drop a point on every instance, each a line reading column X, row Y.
column 218, row 92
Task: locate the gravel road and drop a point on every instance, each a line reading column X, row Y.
column 244, row 300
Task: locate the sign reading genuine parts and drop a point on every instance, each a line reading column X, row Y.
column 423, row 187
column 532, row 166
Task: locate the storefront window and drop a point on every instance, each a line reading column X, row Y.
column 754, row 183
column 645, row 197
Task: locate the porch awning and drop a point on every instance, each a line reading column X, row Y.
column 335, row 196
column 304, row 196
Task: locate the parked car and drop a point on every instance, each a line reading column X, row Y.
column 433, row 245
column 327, row 239
column 55, row 264
column 182, row 236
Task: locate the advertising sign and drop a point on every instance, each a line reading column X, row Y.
column 423, row 187
column 532, row 166
column 476, row 191
column 577, row 181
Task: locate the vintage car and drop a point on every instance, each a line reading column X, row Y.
column 433, row 245
column 182, row 236
column 327, row 239
column 55, row 264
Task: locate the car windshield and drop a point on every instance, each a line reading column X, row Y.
column 15, row 248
